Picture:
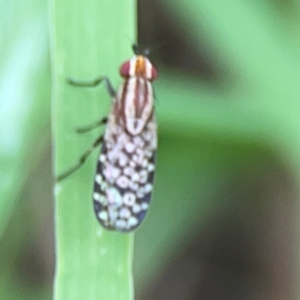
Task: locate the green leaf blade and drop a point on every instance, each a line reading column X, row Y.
column 89, row 39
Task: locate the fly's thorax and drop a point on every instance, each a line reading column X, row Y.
column 134, row 104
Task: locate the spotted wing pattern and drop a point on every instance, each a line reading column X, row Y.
column 124, row 176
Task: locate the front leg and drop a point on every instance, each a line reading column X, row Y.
column 112, row 92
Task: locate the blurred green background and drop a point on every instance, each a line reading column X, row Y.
column 223, row 222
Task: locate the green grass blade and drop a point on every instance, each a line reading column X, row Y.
column 24, row 99
column 240, row 35
column 89, row 38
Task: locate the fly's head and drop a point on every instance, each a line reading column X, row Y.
column 138, row 66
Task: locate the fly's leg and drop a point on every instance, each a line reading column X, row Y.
column 81, row 160
column 110, row 89
column 92, row 126
column 112, row 92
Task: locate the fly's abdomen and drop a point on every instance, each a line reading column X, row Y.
column 124, row 177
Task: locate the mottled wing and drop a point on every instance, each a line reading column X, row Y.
column 124, row 177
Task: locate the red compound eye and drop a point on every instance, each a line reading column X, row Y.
column 124, row 70
column 153, row 73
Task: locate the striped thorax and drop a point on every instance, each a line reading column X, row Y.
column 125, row 170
